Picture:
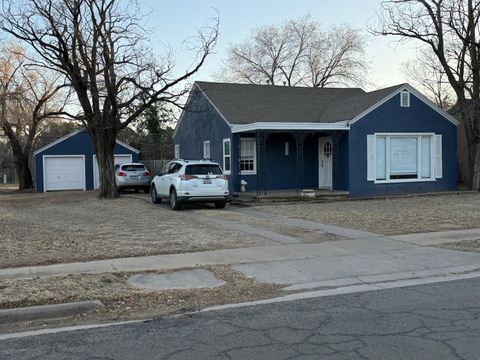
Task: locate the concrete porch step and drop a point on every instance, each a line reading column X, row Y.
column 321, row 195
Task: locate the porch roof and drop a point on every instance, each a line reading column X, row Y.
column 289, row 126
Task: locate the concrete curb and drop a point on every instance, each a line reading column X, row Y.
column 47, row 312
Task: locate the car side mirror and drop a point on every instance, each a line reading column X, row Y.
column 160, row 173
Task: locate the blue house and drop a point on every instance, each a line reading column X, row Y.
column 388, row 141
column 70, row 163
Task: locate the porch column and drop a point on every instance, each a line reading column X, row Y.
column 239, row 168
column 299, row 139
column 261, row 152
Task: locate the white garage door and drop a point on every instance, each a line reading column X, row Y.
column 64, row 173
column 117, row 159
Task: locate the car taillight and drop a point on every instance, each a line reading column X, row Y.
column 186, row 177
column 146, row 173
column 121, row 173
column 223, row 177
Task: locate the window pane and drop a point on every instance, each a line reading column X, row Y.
column 403, row 158
column 426, row 158
column 247, row 154
column 380, row 156
column 203, row 170
column 226, row 148
column 227, row 163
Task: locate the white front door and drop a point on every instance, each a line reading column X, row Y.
column 117, row 159
column 325, row 156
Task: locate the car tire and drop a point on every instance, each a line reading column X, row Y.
column 119, row 189
column 174, row 200
column 154, row 196
column 220, row 204
column 146, row 189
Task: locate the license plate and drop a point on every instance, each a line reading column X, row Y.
column 207, row 181
column 133, row 176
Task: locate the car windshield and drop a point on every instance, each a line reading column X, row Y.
column 203, row 169
column 133, row 167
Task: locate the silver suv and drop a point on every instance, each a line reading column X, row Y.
column 183, row 181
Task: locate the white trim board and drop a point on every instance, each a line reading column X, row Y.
column 414, row 92
column 289, row 126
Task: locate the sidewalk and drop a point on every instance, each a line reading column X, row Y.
column 295, row 263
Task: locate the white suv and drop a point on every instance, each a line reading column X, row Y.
column 183, row 181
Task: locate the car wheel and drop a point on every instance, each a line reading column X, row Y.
column 146, row 189
column 119, row 190
column 154, row 196
column 174, row 200
column 220, row 204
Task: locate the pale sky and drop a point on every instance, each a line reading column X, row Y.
column 174, row 21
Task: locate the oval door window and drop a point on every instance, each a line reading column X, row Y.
column 327, row 149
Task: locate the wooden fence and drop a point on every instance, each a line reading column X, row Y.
column 154, row 166
column 8, row 176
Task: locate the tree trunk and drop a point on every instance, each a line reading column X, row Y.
column 21, row 160
column 104, row 142
column 476, row 169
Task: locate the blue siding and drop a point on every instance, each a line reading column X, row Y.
column 390, row 117
column 78, row 144
column 201, row 122
column 340, row 164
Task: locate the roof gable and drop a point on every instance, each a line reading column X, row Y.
column 76, row 132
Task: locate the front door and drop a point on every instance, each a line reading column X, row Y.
column 325, row 156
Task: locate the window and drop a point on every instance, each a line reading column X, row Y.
column 203, row 170
column 248, row 156
column 404, row 157
column 206, row 149
column 405, row 98
column 227, row 156
column 177, row 151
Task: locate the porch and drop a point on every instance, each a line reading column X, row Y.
column 279, row 164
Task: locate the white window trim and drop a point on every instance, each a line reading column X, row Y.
column 177, row 151
column 254, row 171
column 227, row 172
column 407, row 103
column 206, row 143
column 419, row 149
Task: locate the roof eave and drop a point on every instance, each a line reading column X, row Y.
column 239, row 128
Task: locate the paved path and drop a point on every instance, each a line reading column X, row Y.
column 428, row 322
column 365, row 259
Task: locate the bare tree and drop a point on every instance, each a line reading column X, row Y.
column 298, row 52
column 426, row 73
column 450, row 28
column 100, row 47
column 28, row 97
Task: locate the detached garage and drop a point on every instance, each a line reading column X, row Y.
column 70, row 163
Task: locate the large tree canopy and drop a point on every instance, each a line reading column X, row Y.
column 29, row 96
column 298, row 52
column 450, row 29
column 101, row 48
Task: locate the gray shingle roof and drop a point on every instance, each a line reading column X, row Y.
column 248, row 103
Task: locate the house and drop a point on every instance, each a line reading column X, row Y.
column 388, row 141
column 70, row 163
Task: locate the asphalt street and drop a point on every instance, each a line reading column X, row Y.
column 437, row 321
